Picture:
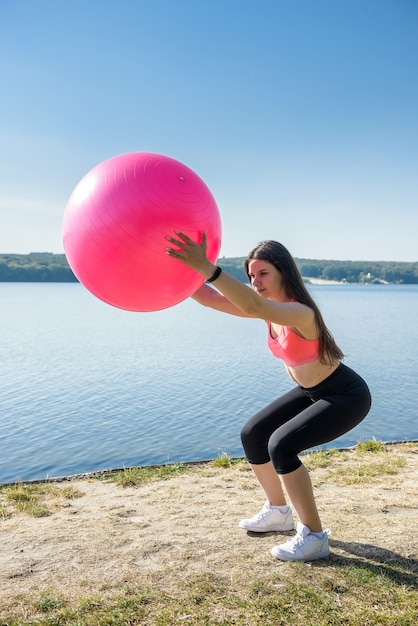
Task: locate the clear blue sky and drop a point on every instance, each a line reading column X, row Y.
column 300, row 115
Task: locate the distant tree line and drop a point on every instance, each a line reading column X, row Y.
column 36, row 267
column 49, row 267
column 342, row 271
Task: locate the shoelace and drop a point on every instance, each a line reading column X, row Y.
column 294, row 542
column 297, row 540
column 261, row 514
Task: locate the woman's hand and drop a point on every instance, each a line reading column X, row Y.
column 191, row 253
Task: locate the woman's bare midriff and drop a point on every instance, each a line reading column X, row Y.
column 311, row 374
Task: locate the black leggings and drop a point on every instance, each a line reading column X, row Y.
column 304, row 418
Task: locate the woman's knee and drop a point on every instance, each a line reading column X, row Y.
column 248, row 436
column 254, row 441
column 282, row 454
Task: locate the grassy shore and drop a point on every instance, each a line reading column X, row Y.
column 161, row 546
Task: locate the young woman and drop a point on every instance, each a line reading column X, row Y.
column 328, row 400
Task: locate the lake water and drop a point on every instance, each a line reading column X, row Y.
column 88, row 387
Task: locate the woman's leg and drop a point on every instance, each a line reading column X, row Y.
column 323, row 421
column 256, row 434
column 270, row 483
column 299, row 489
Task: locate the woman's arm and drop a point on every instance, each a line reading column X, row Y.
column 253, row 305
column 206, row 296
column 250, row 303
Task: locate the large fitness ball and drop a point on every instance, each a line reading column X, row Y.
column 115, row 227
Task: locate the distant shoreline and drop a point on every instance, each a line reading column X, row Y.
column 322, row 281
column 48, row 267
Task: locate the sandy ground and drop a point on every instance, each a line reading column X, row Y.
column 110, row 534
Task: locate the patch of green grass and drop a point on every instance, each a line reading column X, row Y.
column 321, row 458
column 69, row 492
column 135, row 476
column 5, row 513
column 46, row 603
column 325, row 458
column 345, row 591
column 30, row 498
column 224, row 460
column 370, row 445
column 360, row 472
column 368, row 471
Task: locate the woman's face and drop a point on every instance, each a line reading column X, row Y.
column 266, row 280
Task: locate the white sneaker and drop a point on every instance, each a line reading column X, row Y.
column 304, row 546
column 270, row 518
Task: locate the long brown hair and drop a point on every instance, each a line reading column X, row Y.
column 276, row 254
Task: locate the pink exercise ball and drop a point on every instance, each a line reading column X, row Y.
column 115, row 227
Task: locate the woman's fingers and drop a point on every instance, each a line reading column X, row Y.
column 189, row 251
column 184, row 237
column 175, row 242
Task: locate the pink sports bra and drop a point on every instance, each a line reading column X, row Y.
column 292, row 348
